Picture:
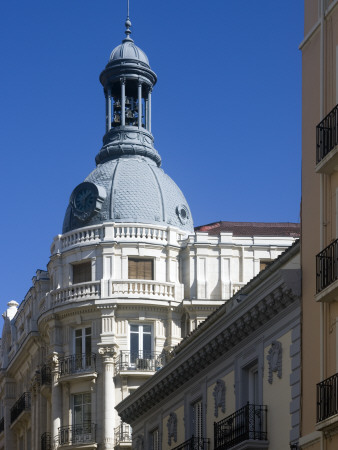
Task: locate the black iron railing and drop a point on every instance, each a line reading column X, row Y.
column 46, row 441
column 327, row 134
column 78, row 434
column 77, row 363
column 248, row 422
column 46, row 375
column 2, row 425
column 23, row 404
column 327, row 398
column 327, row 266
column 123, row 433
column 144, row 361
column 194, row 443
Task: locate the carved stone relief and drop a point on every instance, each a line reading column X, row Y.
column 219, row 396
column 172, row 428
column 275, row 360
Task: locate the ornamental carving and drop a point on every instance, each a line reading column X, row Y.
column 275, row 360
column 219, row 396
column 172, row 428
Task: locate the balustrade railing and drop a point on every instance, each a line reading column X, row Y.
column 141, row 361
column 89, row 290
column 23, row 404
column 327, row 134
column 327, row 266
column 143, row 288
column 123, row 433
column 84, row 433
column 194, row 443
column 46, row 375
column 73, row 364
column 327, row 398
column 46, row 441
column 247, row 423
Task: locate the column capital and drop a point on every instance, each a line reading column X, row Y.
column 123, row 80
column 108, row 353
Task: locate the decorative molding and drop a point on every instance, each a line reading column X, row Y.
column 219, row 396
column 275, row 360
column 139, row 444
column 172, row 427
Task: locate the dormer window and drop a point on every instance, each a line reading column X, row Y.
column 82, row 272
column 140, row 269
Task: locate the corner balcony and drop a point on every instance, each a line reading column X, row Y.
column 194, row 443
column 130, row 362
column 123, row 436
column 20, row 411
column 327, row 143
column 46, row 441
column 135, row 289
column 244, row 429
column 327, row 273
column 77, row 292
column 78, row 436
column 327, row 403
column 79, row 366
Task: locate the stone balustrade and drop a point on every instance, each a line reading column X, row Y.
column 143, row 289
column 81, row 291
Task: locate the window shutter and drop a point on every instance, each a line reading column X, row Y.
column 140, row 269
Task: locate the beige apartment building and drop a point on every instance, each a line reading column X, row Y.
column 319, row 422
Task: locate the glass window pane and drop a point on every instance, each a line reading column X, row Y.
column 146, row 328
column 146, row 345
column 134, row 328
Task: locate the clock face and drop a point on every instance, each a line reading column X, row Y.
column 86, row 200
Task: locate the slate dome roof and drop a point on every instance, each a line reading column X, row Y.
column 137, row 191
column 128, row 50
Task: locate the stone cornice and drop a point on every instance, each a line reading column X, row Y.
column 185, row 367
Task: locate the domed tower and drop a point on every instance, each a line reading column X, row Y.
column 128, row 185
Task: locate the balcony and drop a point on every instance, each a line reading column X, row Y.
column 327, row 403
column 245, row 429
column 326, row 143
column 46, row 375
column 81, row 365
column 78, row 435
column 46, row 441
column 123, row 436
column 327, row 272
column 194, row 443
column 139, row 361
column 21, row 406
column 77, row 292
column 135, row 289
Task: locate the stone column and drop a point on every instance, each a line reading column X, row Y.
column 56, row 397
column 149, row 110
column 108, row 110
column 123, row 102
column 108, row 354
column 139, row 104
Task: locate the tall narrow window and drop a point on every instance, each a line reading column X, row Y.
column 82, row 272
column 82, row 416
column 140, row 342
column 155, row 440
column 140, row 269
column 83, row 348
column 197, row 419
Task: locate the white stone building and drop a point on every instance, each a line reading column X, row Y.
column 127, row 279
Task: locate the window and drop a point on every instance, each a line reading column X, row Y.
column 83, row 347
column 140, row 342
column 140, row 269
column 155, row 440
column 251, row 391
column 82, row 417
column 82, row 272
column 264, row 263
column 197, row 419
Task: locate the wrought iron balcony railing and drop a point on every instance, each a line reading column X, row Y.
column 46, row 375
column 78, row 434
column 141, row 361
column 327, row 398
column 327, row 134
column 327, row 266
column 247, row 423
column 123, row 433
column 73, row 364
column 194, row 443
column 2, row 425
column 46, row 441
column 23, row 404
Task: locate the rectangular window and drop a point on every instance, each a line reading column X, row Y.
column 155, row 440
column 83, row 348
column 264, row 263
column 82, row 272
column 82, row 417
column 197, row 419
column 140, row 269
column 140, row 342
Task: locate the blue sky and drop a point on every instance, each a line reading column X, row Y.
column 226, row 111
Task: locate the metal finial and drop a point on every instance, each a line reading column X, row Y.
column 128, row 24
